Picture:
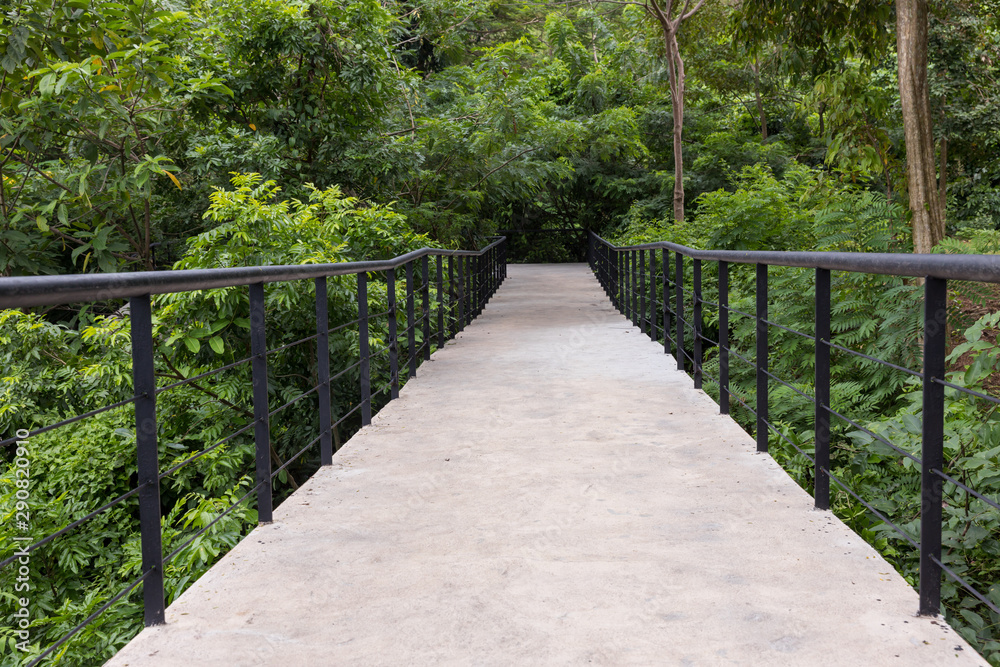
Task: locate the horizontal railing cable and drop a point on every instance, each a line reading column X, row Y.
column 295, row 456
column 293, row 401
column 965, row 584
column 965, row 390
column 878, row 437
column 80, row 626
column 777, row 432
column 948, row 478
column 205, row 528
column 790, row 386
column 66, row 422
column 201, row 376
column 875, row 359
column 789, row 330
column 192, row 459
column 348, row 369
column 293, row 344
column 839, row 482
column 743, row 403
column 70, row 526
column 346, row 415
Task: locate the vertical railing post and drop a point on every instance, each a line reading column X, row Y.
column 636, row 315
column 640, row 260
column 477, row 286
column 262, row 427
column 762, row 365
column 147, row 459
column 621, row 280
column 821, row 492
column 696, row 314
column 323, row 373
column 609, row 275
column 932, row 448
column 606, row 270
column 480, row 281
column 441, row 298
column 679, row 307
column 425, row 286
column 629, row 286
column 470, row 312
column 452, row 299
column 665, row 288
column 652, row 294
column 617, row 264
column 624, row 281
column 723, row 338
column 411, row 321
column 469, row 306
column 364, row 351
column 473, row 287
column 460, row 321
column 390, row 289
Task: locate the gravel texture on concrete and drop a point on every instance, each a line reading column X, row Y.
column 550, row 490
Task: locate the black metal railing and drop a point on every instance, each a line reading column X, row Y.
column 463, row 289
column 630, row 275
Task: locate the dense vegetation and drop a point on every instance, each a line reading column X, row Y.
column 206, row 133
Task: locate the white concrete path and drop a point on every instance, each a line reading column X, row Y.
column 550, row 491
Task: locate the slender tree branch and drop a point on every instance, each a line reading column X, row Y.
column 493, row 171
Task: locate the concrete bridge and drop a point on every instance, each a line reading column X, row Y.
column 550, row 490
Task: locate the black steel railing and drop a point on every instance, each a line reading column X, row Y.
column 630, row 276
column 462, row 290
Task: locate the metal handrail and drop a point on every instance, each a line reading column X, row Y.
column 28, row 291
column 473, row 276
column 623, row 272
column 976, row 268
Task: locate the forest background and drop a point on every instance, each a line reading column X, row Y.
column 204, row 133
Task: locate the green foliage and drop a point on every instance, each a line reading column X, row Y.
column 90, row 90
column 762, row 214
column 55, row 371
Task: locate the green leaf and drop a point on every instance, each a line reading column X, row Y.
column 192, row 344
column 77, row 252
column 42, row 223
column 215, row 342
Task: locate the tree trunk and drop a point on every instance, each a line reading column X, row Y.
column 921, row 169
column 670, row 26
column 675, row 67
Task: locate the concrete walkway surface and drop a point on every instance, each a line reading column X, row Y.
column 550, row 491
